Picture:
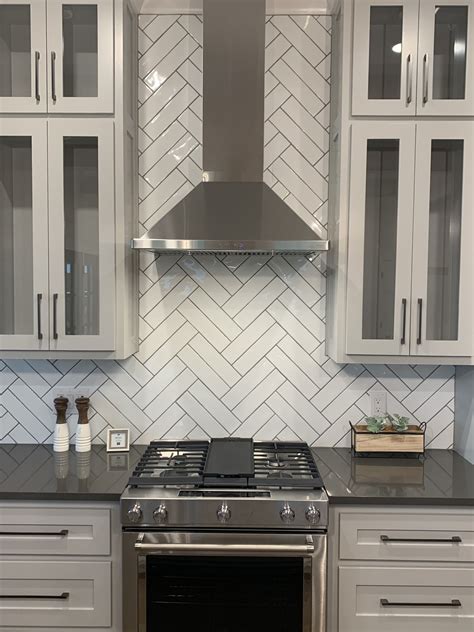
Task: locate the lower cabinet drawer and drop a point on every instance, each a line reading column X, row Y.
column 52, row 530
column 407, row 536
column 408, row 599
column 55, row 595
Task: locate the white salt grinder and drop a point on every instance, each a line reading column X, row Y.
column 61, row 429
column 83, row 432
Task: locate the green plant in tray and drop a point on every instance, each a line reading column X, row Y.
column 399, row 423
column 376, row 424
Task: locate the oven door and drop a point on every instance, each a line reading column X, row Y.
column 224, row 582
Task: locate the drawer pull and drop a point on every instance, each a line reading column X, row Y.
column 18, row 534
column 454, row 539
column 64, row 595
column 454, row 603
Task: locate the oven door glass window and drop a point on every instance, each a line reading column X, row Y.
column 224, row 594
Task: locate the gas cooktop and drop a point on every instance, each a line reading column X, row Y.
column 227, row 463
column 230, row 483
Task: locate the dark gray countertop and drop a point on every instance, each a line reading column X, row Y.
column 35, row 472
column 443, row 477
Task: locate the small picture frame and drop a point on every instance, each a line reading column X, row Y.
column 118, row 440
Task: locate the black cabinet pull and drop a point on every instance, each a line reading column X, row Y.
column 55, row 316
column 404, row 321
column 453, row 540
column 420, row 320
column 37, row 88
column 39, row 298
column 454, row 603
column 53, row 76
column 18, row 534
column 64, row 595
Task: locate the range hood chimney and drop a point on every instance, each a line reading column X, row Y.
column 232, row 210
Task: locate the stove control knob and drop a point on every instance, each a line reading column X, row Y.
column 224, row 513
column 312, row 515
column 287, row 514
column 160, row 515
column 135, row 513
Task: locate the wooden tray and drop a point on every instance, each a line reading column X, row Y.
column 411, row 441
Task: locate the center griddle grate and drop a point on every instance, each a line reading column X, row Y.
column 187, row 463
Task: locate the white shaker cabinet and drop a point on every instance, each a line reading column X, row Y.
column 23, row 236
column 81, row 56
column 443, row 262
column 410, row 262
column 413, row 57
column 23, row 56
column 57, row 56
column 68, row 191
column 81, row 233
column 380, row 236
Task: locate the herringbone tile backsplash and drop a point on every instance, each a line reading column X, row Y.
column 229, row 345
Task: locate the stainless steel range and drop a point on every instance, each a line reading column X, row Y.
column 225, row 536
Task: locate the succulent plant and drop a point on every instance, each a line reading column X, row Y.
column 399, row 423
column 376, row 424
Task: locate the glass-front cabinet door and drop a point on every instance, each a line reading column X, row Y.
column 445, row 62
column 385, row 57
column 380, row 238
column 23, row 236
column 82, row 234
column 81, row 56
column 443, row 263
column 23, row 56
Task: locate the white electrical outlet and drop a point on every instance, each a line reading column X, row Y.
column 378, row 403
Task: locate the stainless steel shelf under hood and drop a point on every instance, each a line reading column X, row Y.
column 232, row 210
column 231, row 217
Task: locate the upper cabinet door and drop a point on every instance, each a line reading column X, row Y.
column 380, row 238
column 443, row 264
column 23, row 236
column 81, row 56
column 82, row 234
column 445, row 61
column 385, row 57
column 23, row 56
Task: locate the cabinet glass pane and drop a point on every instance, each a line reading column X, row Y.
column 80, row 62
column 444, row 255
column 385, row 47
column 81, row 235
column 380, row 239
column 450, row 46
column 15, row 50
column 16, row 236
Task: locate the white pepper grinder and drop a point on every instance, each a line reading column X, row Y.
column 83, row 432
column 61, row 429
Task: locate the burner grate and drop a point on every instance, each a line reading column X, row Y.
column 171, row 463
column 285, row 464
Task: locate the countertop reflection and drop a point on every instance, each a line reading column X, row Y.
column 36, row 472
column 441, row 477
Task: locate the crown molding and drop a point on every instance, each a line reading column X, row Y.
column 274, row 7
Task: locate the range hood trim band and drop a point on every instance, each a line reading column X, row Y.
column 242, row 247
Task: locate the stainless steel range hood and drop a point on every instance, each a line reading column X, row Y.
column 232, row 210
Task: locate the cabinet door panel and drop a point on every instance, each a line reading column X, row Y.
column 23, row 56
column 445, row 64
column 82, row 233
column 385, row 57
column 443, row 262
column 380, row 232
column 81, row 56
column 23, row 236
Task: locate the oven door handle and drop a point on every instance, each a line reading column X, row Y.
column 305, row 549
